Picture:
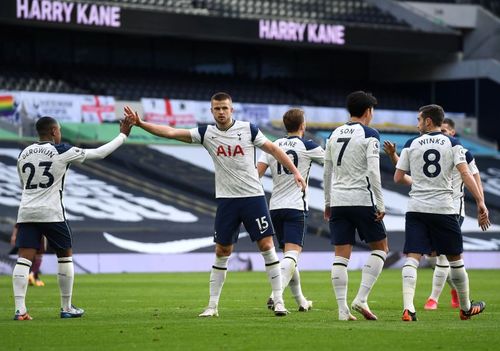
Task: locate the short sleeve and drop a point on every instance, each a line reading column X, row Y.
column 317, row 154
column 473, row 167
column 372, row 148
column 403, row 162
column 196, row 135
column 260, row 139
column 458, row 154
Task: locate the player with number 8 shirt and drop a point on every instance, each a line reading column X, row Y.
column 431, row 220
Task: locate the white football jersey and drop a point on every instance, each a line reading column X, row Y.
column 42, row 167
column 348, row 148
column 458, row 184
column 302, row 152
column 430, row 159
column 234, row 155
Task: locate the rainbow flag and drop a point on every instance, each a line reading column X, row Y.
column 7, row 105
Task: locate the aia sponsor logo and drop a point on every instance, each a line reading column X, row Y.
column 228, row 150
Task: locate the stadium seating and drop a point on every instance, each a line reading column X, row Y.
column 348, row 11
column 491, row 5
column 199, row 86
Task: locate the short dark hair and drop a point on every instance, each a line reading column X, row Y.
column 449, row 122
column 434, row 112
column 44, row 125
column 221, row 96
column 358, row 101
column 292, row 119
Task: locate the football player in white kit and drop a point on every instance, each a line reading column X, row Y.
column 288, row 204
column 353, row 201
column 440, row 263
column 42, row 167
column 238, row 191
column 431, row 220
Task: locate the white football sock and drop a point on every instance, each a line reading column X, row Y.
column 217, row 279
column 288, row 265
column 65, row 278
column 450, row 282
column 371, row 271
column 409, row 274
column 432, row 261
column 273, row 270
column 339, row 282
column 20, row 284
column 460, row 279
column 296, row 288
column 439, row 277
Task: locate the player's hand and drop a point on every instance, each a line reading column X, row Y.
column 389, row 148
column 301, row 183
column 483, row 217
column 125, row 126
column 132, row 116
column 326, row 214
column 379, row 216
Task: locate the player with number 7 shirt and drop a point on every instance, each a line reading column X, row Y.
column 353, row 201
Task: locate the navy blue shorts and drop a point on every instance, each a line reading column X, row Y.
column 251, row 211
column 290, row 226
column 30, row 235
column 461, row 220
column 345, row 220
column 428, row 231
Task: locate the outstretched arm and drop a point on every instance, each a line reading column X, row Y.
column 104, row 150
column 283, row 158
column 159, row 130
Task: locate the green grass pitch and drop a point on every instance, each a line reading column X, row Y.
column 159, row 312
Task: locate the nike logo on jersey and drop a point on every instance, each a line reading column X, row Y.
column 276, row 276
